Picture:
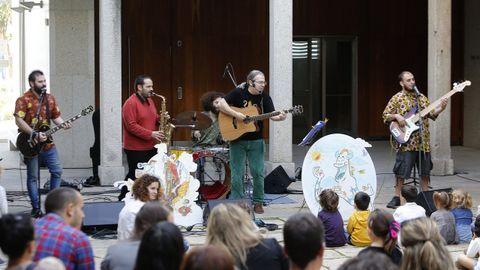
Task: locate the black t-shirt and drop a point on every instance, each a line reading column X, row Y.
column 268, row 254
column 241, row 98
column 396, row 255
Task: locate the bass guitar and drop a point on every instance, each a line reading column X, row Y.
column 31, row 147
column 403, row 134
column 232, row 128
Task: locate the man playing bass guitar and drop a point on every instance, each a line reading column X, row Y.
column 408, row 152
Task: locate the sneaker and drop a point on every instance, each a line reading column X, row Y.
column 394, row 203
column 258, row 208
column 36, row 213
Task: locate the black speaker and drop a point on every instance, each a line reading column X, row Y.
column 277, row 181
column 425, row 200
column 244, row 203
column 101, row 215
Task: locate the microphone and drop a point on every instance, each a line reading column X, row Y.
column 225, row 71
column 416, row 90
column 43, row 90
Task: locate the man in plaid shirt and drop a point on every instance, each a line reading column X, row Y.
column 58, row 232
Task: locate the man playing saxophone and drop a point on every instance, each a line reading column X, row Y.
column 140, row 120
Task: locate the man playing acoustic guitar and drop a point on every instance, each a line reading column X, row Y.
column 408, row 152
column 251, row 144
column 29, row 117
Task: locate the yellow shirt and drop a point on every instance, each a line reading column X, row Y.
column 357, row 228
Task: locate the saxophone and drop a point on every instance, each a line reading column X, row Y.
column 165, row 126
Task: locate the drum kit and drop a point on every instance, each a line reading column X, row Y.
column 213, row 170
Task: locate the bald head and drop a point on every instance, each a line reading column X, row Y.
column 58, row 198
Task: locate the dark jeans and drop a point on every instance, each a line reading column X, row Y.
column 135, row 157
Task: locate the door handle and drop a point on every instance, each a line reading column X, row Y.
column 179, row 92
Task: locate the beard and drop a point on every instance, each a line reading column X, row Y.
column 38, row 90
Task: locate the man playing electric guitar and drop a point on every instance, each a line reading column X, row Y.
column 29, row 117
column 251, row 144
column 408, row 152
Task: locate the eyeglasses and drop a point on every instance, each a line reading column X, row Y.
column 261, row 82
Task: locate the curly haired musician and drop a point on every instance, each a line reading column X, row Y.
column 29, row 117
column 140, row 126
column 251, row 144
column 408, row 153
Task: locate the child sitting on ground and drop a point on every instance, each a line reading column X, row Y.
column 461, row 203
column 444, row 217
column 332, row 219
column 383, row 231
column 469, row 260
column 357, row 223
column 409, row 209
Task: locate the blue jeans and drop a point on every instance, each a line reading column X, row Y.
column 50, row 159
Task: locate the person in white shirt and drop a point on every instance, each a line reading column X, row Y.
column 469, row 260
column 146, row 188
column 409, row 210
column 3, row 199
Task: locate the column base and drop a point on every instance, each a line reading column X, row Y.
column 110, row 174
column 442, row 167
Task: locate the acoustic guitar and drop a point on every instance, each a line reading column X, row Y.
column 232, row 128
column 403, row 134
column 31, row 147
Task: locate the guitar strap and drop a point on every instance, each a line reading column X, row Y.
column 37, row 114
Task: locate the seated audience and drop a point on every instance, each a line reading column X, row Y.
column 207, row 258
column 383, row 231
column 470, row 259
column 461, row 203
column 17, row 240
column 369, row 260
column 146, row 188
column 231, row 228
column 357, row 223
column 423, row 246
column 161, row 248
column 304, row 241
column 444, row 217
column 58, row 232
column 332, row 219
column 124, row 254
column 409, row 209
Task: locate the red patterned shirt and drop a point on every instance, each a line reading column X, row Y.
column 26, row 107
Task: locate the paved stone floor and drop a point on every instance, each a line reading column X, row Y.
column 467, row 169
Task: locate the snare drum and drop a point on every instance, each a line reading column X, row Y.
column 213, row 172
column 178, row 150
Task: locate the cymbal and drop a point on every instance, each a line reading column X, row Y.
column 192, row 119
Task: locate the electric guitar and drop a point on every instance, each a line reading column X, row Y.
column 31, row 147
column 232, row 128
column 402, row 134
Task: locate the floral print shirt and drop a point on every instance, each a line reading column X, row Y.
column 26, row 107
column 401, row 103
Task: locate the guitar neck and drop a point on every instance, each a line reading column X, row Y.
column 263, row 116
column 432, row 106
column 57, row 128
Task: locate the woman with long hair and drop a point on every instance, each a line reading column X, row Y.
column 423, row 246
column 231, row 228
column 123, row 254
column 161, row 248
column 146, row 188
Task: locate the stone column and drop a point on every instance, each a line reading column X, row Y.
column 439, row 81
column 280, row 83
column 111, row 168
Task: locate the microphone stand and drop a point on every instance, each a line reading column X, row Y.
column 227, row 71
column 42, row 95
